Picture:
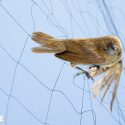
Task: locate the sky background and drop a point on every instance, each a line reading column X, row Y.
column 38, row 89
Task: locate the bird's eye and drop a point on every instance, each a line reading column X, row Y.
column 110, row 46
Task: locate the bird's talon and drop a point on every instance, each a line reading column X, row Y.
column 97, row 66
column 86, row 73
column 77, row 74
column 89, row 76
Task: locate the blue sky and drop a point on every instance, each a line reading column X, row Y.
column 27, row 79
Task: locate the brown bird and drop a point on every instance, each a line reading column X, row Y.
column 103, row 53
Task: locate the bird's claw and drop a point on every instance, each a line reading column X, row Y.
column 88, row 75
column 84, row 72
column 97, row 66
column 77, row 74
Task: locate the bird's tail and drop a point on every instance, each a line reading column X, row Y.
column 48, row 43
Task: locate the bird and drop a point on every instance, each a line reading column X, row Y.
column 104, row 54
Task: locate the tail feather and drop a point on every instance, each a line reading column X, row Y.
column 43, row 35
column 43, row 50
column 48, row 43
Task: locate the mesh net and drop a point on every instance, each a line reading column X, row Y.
column 39, row 89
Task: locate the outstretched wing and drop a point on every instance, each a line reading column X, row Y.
column 81, row 51
column 112, row 76
column 118, row 72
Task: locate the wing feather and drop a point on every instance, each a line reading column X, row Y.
column 118, row 71
column 81, row 51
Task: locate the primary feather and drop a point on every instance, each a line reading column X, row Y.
column 112, row 75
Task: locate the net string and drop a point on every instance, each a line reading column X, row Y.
column 18, row 61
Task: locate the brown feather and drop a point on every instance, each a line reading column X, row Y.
column 112, row 75
column 48, row 44
column 81, row 52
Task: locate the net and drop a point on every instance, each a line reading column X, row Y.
column 38, row 89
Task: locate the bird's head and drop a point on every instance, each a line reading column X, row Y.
column 113, row 47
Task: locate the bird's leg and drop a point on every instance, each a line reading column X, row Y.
column 97, row 67
column 83, row 72
column 95, row 70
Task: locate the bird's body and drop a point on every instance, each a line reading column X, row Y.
column 105, row 52
column 80, row 51
column 89, row 51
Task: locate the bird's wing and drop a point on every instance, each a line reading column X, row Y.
column 73, row 57
column 118, row 70
column 81, row 51
column 112, row 75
